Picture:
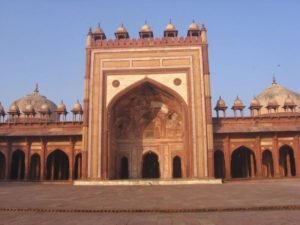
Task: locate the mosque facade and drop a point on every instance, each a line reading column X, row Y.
column 147, row 113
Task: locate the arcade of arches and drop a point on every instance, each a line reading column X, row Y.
column 56, row 166
column 243, row 162
column 147, row 129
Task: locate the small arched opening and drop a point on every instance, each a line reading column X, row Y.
column 35, row 167
column 78, row 167
column 18, row 165
column 2, row 166
column 150, row 166
column 219, row 164
column 243, row 164
column 287, row 161
column 177, row 170
column 124, row 170
column 57, row 166
column 267, row 163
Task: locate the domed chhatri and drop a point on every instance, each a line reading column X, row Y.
column 61, row 107
column 238, row 103
column 194, row 30
column 77, row 108
column 122, row 33
column 221, row 106
column 279, row 97
column 146, row 31
column 170, row 30
column 31, row 103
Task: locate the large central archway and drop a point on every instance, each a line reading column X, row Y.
column 145, row 114
column 57, row 166
column 150, row 166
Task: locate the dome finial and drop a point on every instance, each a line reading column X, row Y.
column 36, row 90
column 274, row 80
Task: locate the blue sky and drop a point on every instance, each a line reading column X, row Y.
column 44, row 42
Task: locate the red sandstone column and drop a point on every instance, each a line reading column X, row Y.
column 275, row 156
column 297, row 154
column 258, row 158
column 252, row 165
column 227, row 157
column 288, row 165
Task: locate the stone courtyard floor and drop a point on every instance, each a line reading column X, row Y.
column 237, row 202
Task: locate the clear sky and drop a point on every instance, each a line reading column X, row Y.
column 44, row 42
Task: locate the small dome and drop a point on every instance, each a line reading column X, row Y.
column 14, row 108
column 170, row 27
column 29, row 108
column 238, row 102
column 77, row 108
column 220, row 103
column 45, row 108
column 121, row 29
column 255, row 102
column 272, row 102
column 194, row 26
column 99, row 30
column 289, row 101
column 61, row 107
column 145, row 28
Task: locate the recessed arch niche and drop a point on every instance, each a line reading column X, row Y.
column 145, row 114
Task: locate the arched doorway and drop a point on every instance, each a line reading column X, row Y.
column 35, row 167
column 18, row 165
column 124, row 170
column 57, row 166
column 219, row 164
column 177, row 171
column 150, row 166
column 146, row 111
column 243, row 164
column 267, row 162
column 2, row 166
column 78, row 167
column 287, row 161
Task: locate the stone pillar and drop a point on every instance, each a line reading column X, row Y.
column 288, row 165
column 275, row 152
column 258, row 157
column 227, row 157
column 297, row 154
column 43, row 160
column 252, row 165
column 8, row 160
column 71, row 158
column 27, row 159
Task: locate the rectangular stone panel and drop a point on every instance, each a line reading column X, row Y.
column 116, row 64
column 176, row 62
column 146, row 63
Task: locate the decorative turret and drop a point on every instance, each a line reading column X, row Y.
column 221, row 106
column 2, row 113
column 272, row 105
column 121, row 33
column 61, row 110
column 203, row 33
column 255, row 107
column 29, row 110
column 194, row 30
column 77, row 110
column 45, row 111
column 98, row 34
column 289, row 104
column 14, row 111
column 146, row 31
column 238, row 106
column 170, row 30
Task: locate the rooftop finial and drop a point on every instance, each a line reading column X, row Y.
column 36, row 90
column 274, row 80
